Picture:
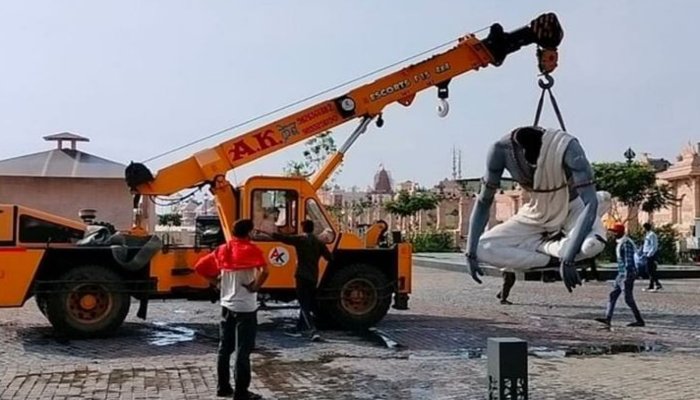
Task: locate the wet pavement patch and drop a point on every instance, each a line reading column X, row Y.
column 615, row 348
column 382, row 338
column 165, row 335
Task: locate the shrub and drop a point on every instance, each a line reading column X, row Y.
column 668, row 250
column 432, row 242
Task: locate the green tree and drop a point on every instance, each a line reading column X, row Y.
column 316, row 151
column 634, row 185
column 174, row 219
column 407, row 205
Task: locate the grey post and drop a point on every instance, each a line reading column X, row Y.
column 507, row 369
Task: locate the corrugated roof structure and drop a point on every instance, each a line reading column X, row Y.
column 62, row 162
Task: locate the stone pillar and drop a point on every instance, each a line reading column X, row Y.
column 507, row 369
column 696, row 196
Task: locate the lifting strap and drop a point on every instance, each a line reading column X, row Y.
column 546, row 86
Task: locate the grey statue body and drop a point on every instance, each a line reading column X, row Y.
column 507, row 155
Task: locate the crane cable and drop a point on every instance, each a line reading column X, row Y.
column 546, row 86
column 321, row 93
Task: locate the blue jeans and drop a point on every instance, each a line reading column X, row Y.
column 623, row 283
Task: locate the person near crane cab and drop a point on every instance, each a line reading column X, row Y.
column 309, row 249
column 241, row 269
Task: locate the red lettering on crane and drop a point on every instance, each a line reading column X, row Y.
column 240, row 149
column 265, row 139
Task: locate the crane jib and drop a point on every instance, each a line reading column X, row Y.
column 289, row 130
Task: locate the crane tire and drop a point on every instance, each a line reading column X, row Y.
column 360, row 297
column 88, row 301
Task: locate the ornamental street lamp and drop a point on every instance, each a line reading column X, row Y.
column 629, row 155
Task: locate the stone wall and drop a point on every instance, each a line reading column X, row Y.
column 65, row 196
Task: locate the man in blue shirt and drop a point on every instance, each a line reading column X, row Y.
column 650, row 250
column 626, row 274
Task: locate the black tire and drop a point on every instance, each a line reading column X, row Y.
column 41, row 302
column 90, row 301
column 356, row 297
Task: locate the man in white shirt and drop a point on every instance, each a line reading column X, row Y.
column 242, row 268
column 650, row 251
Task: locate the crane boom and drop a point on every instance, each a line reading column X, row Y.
column 368, row 100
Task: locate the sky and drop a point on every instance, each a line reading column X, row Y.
column 142, row 77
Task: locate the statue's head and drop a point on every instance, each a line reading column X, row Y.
column 529, row 138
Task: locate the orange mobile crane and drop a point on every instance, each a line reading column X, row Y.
column 84, row 276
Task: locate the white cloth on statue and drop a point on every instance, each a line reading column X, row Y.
column 547, row 208
column 515, row 246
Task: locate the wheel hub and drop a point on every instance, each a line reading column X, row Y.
column 89, row 304
column 358, row 296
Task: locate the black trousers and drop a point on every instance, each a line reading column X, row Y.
column 236, row 333
column 306, row 293
column 652, row 266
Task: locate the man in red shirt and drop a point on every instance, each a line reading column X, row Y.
column 243, row 270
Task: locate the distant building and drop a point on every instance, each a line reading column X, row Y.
column 382, row 182
column 659, row 164
column 65, row 180
column 407, row 186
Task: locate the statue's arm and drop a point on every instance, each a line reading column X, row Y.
column 577, row 163
column 495, row 165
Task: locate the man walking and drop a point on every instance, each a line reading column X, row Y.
column 309, row 251
column 242, row 270
column 626, row 274
column 649, row 252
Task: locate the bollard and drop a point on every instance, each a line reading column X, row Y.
column 507, row 369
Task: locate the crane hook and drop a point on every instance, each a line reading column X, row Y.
column 547, row 83
column 443, row 108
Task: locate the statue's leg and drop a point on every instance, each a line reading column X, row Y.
column 512, row 245
column 508, row 282
column 592, row 245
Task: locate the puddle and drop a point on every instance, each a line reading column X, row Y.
column 383, row 338
column 464, row 354
column 616, row 348
column 545, row 352
column 166, row 335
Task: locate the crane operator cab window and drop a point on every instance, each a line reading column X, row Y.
column 275, row 211
column 322, row 228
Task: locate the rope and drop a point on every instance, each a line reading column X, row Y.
column 313, row 96
column 547, row 87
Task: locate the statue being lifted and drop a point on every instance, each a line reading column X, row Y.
column 560, row 224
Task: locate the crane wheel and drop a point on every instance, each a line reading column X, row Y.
column 87, row 301
column 358, row 297
column 41, row 302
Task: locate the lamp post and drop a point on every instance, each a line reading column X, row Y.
column 630, row 155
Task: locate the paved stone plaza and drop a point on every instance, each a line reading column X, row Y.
column 439, row 353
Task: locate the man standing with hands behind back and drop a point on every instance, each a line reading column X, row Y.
column 243, row 270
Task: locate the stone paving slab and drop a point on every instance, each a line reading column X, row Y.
column 442, row 337
column 456, row 262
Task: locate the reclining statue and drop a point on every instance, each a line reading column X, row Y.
column 555, row 228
